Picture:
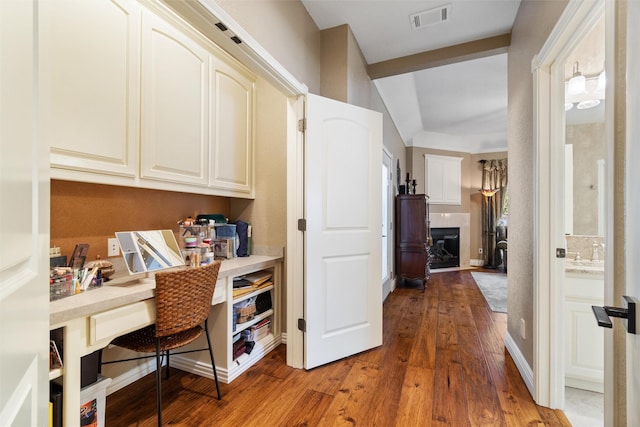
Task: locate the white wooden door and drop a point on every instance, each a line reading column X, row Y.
column 633, row 204
column 343, row 298
column 24, row 226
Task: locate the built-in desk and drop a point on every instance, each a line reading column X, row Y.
column 92, row 319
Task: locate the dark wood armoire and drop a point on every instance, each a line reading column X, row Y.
column 412, row 238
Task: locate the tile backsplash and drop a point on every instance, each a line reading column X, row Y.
column 584, row 246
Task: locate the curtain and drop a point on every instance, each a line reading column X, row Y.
column 494, row 177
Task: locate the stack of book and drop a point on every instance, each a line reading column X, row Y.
column 239, row 346
column 251, row 282
column 258, row 331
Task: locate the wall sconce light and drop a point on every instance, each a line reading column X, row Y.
column 577, row 83
column 584, row 92
column 488, row 192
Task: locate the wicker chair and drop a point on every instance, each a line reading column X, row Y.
column 183, row 302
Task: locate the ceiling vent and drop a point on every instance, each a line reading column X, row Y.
column 430, row 17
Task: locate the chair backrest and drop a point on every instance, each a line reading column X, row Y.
column 183, row 298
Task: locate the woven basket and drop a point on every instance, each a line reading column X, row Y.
column 246, row 313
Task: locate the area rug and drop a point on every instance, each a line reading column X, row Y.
column 494, row 288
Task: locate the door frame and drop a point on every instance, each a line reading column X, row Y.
column 548, row 80
column 388, row 281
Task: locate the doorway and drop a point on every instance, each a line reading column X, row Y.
column 567, row 335
column 585, row 160
column 387, row 214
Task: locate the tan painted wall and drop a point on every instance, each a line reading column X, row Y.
column 588, row 147
column 534, row 22
column 267, row 212
column 335, row 61
column 286, row 31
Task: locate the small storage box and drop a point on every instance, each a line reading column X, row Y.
column 227, row 231
column 60, row 290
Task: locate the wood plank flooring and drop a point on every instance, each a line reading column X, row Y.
column 443, row 363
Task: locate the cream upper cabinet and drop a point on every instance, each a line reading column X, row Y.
column 174, row 133
column 232, row 104
column 134, row 96
column 89, row 85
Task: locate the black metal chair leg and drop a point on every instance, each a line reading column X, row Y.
column 166, row 375
column 158, row 382
column 213, row 363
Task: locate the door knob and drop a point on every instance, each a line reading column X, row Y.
column 629, row 312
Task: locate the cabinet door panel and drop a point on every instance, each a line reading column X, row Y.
column 174, row 104
column 89, row 84
column 232, row 128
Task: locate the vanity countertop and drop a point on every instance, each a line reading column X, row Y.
column 129, row 289
column 595, row 269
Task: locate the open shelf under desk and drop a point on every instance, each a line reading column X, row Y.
column 252, row 294
column 242, row 326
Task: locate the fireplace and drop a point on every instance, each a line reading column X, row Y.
column 445, row 251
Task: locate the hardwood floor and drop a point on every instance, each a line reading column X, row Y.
column 443, row 363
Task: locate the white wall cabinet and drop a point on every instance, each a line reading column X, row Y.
column 232, row 103
column 443, row 179
column 175, row 125
column 134, row 96
column 89, row 85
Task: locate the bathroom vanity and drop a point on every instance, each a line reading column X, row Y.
column 584, row 340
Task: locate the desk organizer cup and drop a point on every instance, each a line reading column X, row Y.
column 61, row 284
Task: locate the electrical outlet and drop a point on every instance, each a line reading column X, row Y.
column 112, row 247
column 523, row 329
column 480, row 251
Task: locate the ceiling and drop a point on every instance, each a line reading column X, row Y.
column 459, row 107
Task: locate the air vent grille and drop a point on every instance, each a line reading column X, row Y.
column 430, row 17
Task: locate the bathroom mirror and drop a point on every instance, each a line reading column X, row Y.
column 585, row 135
column 149, row 250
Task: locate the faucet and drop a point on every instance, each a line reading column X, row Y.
column 594, row 255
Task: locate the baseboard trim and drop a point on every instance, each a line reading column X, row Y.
column 132, row 375
column 476, row 262
column 521, row 363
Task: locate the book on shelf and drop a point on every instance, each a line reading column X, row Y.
column 263, row 323
column 246, row 284
column 258, row 278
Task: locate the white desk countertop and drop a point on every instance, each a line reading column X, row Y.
column 132, row 288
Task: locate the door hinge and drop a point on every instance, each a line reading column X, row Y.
column 302, row 325
column 561, row 253
column 302, row 125
column 302, row 224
